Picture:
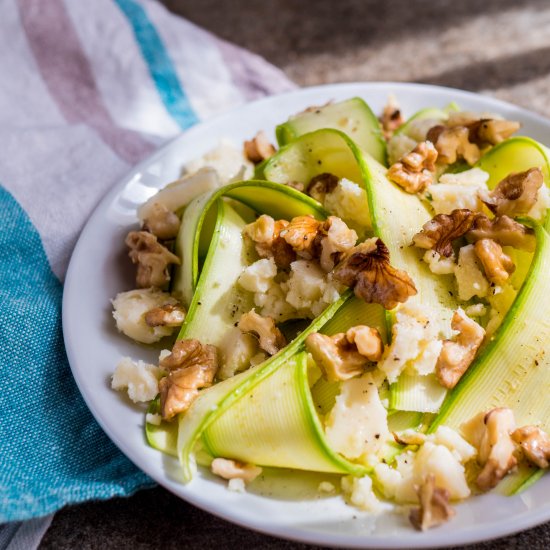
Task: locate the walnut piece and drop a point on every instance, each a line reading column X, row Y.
column 535, row 444
column 366, row 268
column 335, row 238
column 497, row 265
column 191, row 366
column 452, row 144
column 168, row 315
column 516, row 194
column 301, row 235
column 320, row 185
column 457, row 355
column 439, row 233
column 367, row 340
column 434, row 505
column 163, row 223
column 151, row 257
column 496, row 448
column 258, row 148
column 271, row 339
column 265, row 232
column 233, row 469
column 503, row 230
column 490, row 131
column 336, row 356
column 391, row 117
column 415, row 171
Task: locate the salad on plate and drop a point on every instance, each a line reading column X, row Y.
column 367, row 301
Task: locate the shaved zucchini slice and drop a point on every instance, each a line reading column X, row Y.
column 514, row 368
column 274, row 423
column 261, row 196
column 214, row 401
column 429, row 113
column 353, row 117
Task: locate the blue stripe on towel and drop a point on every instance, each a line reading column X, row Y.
column 160, row 65
column 52, row 450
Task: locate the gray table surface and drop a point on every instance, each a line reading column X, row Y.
column 501, row 48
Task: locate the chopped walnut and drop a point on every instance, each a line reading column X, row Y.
column 336, row 356
column 452, row 144
column 265, row 232
column 409, row 437
column 535, row 444
column 152, row 258
column 415, row 171
column 457, row 355
column 367, row 340
column 439, row 233
column 163, row 223
column 516, row 194
column 496, row 448
column 503, row 230
column 497, row 265
column 320, row 185
column 335, row 238
column 270, row 337
column 301, row 235
column 434, row 506
column 391, row 117
column 233, row 469
column 490, row 131
column 258, row 148
column 168, row 315
column 298, row 185
column 366, row 268
column 191, row 366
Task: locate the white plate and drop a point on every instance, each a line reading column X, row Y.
column 99, row 269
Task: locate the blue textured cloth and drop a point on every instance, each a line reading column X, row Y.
column 52, row 449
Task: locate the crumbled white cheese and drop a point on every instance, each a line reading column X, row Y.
column 460, row 448
column 326, row 487
column 154, row 419
column 476, row 310
column 540, row 208
column 415, row 342
column 461, row 190
column 439, row 264
column 360, row 494
column 237, row 485
column 470, row 275
column 357, row 425
column 397, row 483
column 349, row 202
column 141, row 379
column 237, row 350
column 130, row 309
column 398, row 146
column 226, row 159
column 258, row 277
column 500, row 299
column 273, row 304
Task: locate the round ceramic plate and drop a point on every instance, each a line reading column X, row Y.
column 284, row 504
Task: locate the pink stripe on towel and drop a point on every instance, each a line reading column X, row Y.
column 67, row 73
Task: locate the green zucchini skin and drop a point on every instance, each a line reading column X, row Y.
column 513, row 370
column 353, row 117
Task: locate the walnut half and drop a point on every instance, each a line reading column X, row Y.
column 415, row 171
column 152, row 259
column 233, row 469
column 258, row 148
column 343, row 356
column 434, row 506
column 270, row 337
column 168, row 315
column 439, row 233
column 503, row 230
column 535, row 444
column 497, row 265
column 457, row 355
column 453, row 144
column 191, row 366
column 366, row 268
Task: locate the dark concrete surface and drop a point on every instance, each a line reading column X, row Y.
column 497, row 47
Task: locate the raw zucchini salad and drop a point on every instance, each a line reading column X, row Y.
column 368, row 300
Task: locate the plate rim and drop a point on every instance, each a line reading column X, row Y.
column 482, row 533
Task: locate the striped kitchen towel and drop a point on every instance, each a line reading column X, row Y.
column 87, row 90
